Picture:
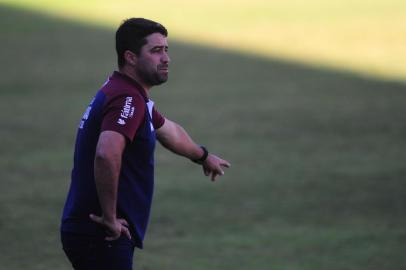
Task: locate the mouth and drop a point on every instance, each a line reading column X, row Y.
column 164, row 70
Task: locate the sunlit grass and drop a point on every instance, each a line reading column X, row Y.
column 366, row 36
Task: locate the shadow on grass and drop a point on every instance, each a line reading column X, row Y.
column 318, row 155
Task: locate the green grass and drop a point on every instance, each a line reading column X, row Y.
column 318, row 156
column 366, row 36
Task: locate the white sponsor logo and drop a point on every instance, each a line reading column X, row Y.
column 120, row 121
column 128, row 110
column 86, row 114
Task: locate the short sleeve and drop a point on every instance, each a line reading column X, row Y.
column 157, row 119
column 123, row 114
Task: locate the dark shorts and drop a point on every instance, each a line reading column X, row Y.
column 91, row 252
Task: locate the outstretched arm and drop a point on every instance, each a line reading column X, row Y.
column 173, row 137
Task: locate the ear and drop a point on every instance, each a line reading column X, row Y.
column 130, row 58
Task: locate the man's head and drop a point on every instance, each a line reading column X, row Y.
column 141, row 45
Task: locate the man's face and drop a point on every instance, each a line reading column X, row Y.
column 153, row 61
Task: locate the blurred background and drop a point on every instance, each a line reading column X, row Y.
column 306, row 99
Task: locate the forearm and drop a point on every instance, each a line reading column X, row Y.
column 179, row 142
column 176, row 139
column 106, row 171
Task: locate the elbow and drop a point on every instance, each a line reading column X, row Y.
column 101, row 155
column 106, row 161
column 104, row 157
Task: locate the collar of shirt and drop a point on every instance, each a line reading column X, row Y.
column 122, row 77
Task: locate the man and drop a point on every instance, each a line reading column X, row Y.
column 107, row 209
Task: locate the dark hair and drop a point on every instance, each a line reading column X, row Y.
column 132, row 33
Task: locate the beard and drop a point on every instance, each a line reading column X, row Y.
column 152, row 77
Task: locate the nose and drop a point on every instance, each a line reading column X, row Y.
column 165, row 58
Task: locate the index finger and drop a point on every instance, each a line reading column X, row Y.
column 225, row 163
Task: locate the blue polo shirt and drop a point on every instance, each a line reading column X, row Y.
column 121, row 105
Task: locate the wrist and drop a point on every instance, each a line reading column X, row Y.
column 203, row 157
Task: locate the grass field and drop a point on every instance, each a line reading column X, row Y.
column 318, row 176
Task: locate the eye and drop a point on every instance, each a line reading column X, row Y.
column 159, row 49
